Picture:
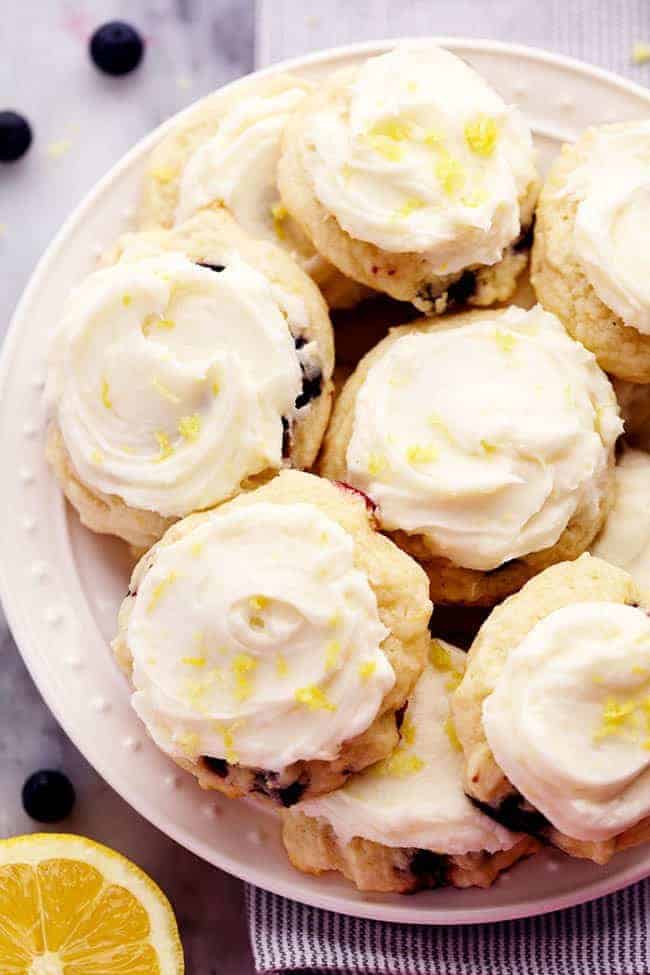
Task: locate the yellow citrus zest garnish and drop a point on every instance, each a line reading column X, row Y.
column 189, row 427
column 126, row 300
column 313, row 698
column 450, row 173
column 489, row 448
column 418, row 454
column 481, row 135
column 97, row 457
column 194, row 661
column 279, row 214
column 409, row 206
column 160, row 589
column 401, row 763
column 281, row 665
column 376, row 463
column 229, row 742
column 106, row 395
column 332, row 654
column 243, row 666
column 367, row 669
column 166, row 449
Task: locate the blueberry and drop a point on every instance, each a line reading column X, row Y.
column 459, row 292
column 218, row 766
column 48, row 796
column 116, row 48
column 311, row 389
column 15, row 136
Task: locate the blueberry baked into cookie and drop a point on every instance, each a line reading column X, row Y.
column 553, row 713
column 405, row 824
column 272, row 641
column 195, row 366
column 590, row 256
column 486, row 440
column 224, row 152
column 411, row 175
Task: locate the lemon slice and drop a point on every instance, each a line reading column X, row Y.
column 69, row 906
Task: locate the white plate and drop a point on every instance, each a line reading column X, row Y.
column 61, row 585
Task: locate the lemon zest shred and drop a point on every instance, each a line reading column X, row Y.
column 189, row 427
column 106, row 395
column 166, row 449
column 160, row 589
column 314, row 699
column 281, row 665
column 332, row 654
column 481, row 135
column 419, row 454
column 367, row 669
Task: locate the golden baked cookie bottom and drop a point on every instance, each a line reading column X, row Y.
column 313, row 847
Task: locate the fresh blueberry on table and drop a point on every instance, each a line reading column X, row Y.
column 15, row 136
column 116, row 47
column 48, row 796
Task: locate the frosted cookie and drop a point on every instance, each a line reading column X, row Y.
column 224, row 153
column 405, row 824
column 271, row 641
column 591, row 242
column 625, row 538
column 414, row 177
column 486, row 442
column 196, row 366
column 553, row 713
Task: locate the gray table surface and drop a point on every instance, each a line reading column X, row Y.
column 84, row 122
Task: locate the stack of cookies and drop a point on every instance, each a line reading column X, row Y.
column 317, row 535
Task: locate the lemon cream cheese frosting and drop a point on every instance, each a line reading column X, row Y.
column 625, row 538
column 256, row 640
column 484, row 438
column 612, row 222
column 419, row 154
column 170, row 380
column 415, row 797
column 569, row 718
column 237, row 165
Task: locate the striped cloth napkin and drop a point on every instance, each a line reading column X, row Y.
column 609, row 936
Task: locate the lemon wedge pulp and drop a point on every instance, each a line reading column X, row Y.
column 69, row 906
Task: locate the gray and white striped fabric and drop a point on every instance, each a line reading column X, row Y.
column 609, row 936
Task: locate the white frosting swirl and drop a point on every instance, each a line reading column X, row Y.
column 169, row 381
column 484, row 438
column 569, row 719
column 415, row 798
column 419, row 154
column 255, row 639
column 625, row 538
column 237, row 166
column 612, row 224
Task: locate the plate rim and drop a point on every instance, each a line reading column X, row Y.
column 397, row 912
